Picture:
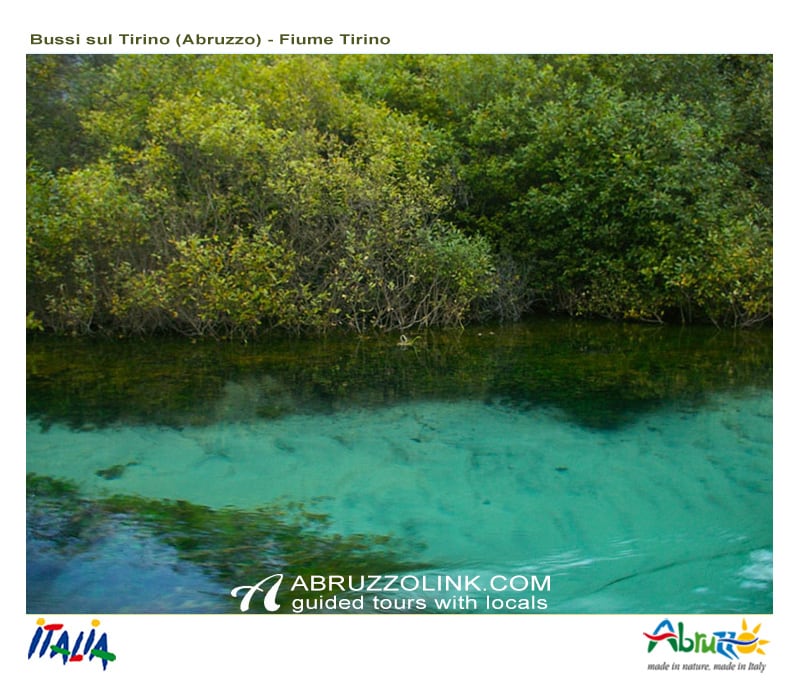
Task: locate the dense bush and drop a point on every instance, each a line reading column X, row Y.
column 227, row 195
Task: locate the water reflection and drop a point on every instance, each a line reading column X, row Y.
column 632, row 466
column 597, row 373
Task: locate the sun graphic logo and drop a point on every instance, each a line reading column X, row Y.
column 746, row 642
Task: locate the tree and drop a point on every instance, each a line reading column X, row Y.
column 246, row 193
column 230, row 194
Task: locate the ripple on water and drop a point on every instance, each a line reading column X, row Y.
column 633, row 519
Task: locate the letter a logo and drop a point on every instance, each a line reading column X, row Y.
column 269, row 595
column 659, row 636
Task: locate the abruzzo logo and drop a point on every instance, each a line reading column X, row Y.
column 95, row 647
column 726, row 643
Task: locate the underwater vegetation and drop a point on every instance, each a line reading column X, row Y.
column 604, row 450
column 231, row 546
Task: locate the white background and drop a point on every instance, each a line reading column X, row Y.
column 405, row 656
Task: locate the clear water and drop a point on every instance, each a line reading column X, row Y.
column 632, row 467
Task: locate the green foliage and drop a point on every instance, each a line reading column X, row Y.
column 596, row 188
column 59, row 87
column 208, row 287
column 229, row 189
column 228, row 195
column 402, row 280
column 32, row 323
column 81, row 225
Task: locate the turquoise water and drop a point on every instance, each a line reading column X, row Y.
column 636, row 475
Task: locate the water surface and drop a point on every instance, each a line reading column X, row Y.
column 632, row 465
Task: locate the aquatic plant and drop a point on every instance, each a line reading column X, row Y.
column 232, row 546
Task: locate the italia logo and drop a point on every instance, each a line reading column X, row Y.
column 54, row 639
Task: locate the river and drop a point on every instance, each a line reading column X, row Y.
column 549, row 466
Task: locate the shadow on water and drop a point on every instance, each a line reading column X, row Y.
column 599, row 374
